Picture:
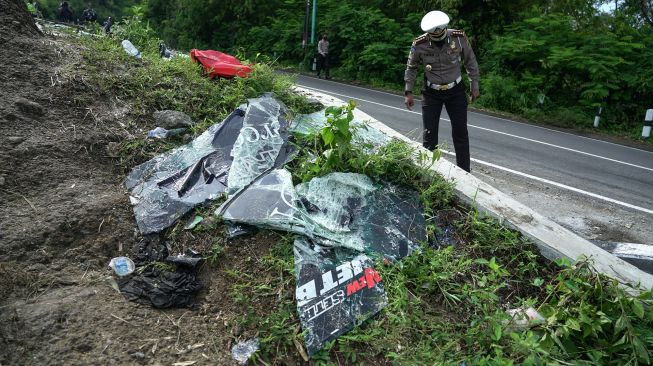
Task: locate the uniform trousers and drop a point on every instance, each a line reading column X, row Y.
column 455, row 100
column 323, row 64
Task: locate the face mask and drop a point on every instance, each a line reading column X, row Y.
column 438, row 34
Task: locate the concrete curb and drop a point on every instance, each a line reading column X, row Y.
column 553, row 240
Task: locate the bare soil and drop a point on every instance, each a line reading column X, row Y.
column 64, row 213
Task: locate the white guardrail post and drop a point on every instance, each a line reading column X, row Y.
column 597, row 117
column 648, row 121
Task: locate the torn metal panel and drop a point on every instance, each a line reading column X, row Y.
column 336, row 290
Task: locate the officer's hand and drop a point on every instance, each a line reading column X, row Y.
column 475, row 94
column 408, row 100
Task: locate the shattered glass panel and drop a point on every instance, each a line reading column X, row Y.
column 336, row 290
column 394, row 225
column 264, row 133
column 346, row 220
column 268, row 202
column 164, row 188
column 228, row 155
column 340, row 209
column 334, row 201
column 363, row 135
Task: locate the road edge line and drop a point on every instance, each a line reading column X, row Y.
column 553, row 240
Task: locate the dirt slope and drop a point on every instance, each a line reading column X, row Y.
column 64, row 214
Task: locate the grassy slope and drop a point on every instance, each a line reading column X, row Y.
column 445, row 306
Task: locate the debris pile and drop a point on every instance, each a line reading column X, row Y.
column 344, row 221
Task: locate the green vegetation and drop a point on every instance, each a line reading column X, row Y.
column 552, row 61
column 114, row 8
column 555, row 69
column 449, row 306
column 446, row 306
column 152, row 84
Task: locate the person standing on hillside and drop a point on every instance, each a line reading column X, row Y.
column 89, row 15
column 441, row 50
column 106, row 26
column 323, row 57
column 65, row 13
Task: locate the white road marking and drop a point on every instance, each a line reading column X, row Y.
column 353, row 86
column 563, row 186
column 498, row 132
column 543, row 180
column 562, row 132
column 563, row 148
column 480, row 114
column 362, row 100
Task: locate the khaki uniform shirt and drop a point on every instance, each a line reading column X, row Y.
column 441, row 64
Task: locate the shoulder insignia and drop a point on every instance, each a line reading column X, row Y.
column 458, row 33
column 421, row 39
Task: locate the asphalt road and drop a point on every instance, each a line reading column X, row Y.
column 601, row 174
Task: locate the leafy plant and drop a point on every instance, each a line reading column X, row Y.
column 591, row 316
column 153, row 84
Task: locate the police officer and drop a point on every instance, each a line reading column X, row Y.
column 441, row 51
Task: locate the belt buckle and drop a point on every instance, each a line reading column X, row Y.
column 444, row 87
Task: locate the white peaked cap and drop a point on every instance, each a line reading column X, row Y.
column 434, row 19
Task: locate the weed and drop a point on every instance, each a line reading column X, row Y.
column 593, row 317
column 217, row 250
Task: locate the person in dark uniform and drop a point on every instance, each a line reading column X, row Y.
column 441, row 51
column 89, row 15
column 65, row 13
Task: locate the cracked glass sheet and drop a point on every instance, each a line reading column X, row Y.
column 257, row 149
column 340, row 209
column 336, row 290
column 364, row 135
column 345, row 220
column 168, row 186
column 268, row 202
column 349, row 210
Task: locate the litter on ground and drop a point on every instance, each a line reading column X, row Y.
column 344, row 221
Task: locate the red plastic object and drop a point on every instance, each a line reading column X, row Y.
column 220, row 64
